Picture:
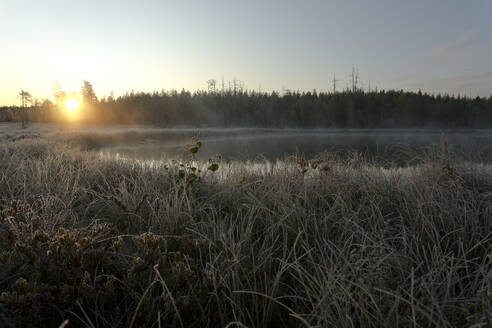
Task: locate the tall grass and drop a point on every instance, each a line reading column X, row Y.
column 104, row 242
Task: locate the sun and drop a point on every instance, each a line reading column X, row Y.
column 72, row 104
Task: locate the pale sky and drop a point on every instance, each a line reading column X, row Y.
column 437, row 46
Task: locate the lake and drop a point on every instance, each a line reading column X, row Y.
column 250, row 144
column 149, row 142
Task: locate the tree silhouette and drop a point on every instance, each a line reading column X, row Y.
column 25, row 98
column 88, row 95
column 58, row 93
column 349, row 108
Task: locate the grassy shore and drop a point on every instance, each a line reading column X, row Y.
column 107, row 242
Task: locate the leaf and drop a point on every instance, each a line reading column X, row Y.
column 214, row 167
column 199, row 144
column 193, row 150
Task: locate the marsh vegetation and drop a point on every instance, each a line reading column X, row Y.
column 328, row 240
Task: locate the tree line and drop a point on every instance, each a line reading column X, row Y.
column 352, row 108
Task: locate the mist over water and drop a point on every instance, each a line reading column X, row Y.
column 153, row 143
column 272, row 144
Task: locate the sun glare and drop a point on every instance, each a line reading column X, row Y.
column 72, row 104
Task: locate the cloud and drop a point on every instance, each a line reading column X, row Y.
column 458, row 80
column 467, row 78
column 478, row 82
column 454, row 66
column 450, row 53
column 455, row 46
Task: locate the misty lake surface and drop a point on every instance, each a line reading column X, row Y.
column 271, row 144
column 155, row 143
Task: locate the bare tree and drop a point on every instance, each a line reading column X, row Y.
column 355, row 78
column 212, row 85
column 25, row 98
column 237, row 86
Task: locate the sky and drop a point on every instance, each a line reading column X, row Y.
column 148, row 45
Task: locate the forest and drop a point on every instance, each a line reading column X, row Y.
column 237, row 108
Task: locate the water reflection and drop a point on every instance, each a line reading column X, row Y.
column 251, row 144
